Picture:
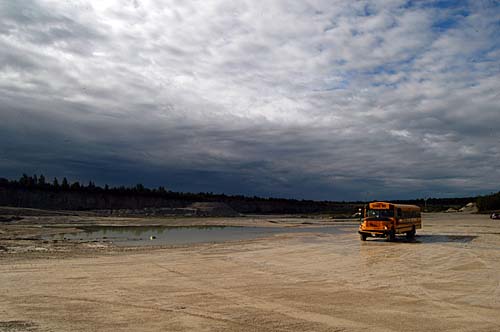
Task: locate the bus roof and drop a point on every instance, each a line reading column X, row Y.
column 386, row 205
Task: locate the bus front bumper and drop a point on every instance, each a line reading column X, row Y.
column 375, row 233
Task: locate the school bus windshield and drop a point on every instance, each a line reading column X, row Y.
column 371, row 213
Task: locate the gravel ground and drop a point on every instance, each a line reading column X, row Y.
column 448, row 279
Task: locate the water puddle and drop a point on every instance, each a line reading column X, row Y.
column 162, row 235
column 437, row 238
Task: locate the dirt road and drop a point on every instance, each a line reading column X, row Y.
column 448, row 280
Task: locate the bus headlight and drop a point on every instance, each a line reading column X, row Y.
column 385, row 227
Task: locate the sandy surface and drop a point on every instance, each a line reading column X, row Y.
column 447, row 280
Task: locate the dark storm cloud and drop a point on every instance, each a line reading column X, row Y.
column 366, row 99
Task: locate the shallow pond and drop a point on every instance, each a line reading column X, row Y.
column 162, row 235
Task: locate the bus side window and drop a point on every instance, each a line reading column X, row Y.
column 400, row 214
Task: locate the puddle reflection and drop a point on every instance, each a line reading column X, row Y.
column 166, row 235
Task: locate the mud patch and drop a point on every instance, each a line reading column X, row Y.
column 18, row 326
column 461, row 238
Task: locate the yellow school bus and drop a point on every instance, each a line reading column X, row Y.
column 381, row 219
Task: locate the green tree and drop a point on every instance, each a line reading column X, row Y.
column 65, row 184
column 24, row 180
column 41, row 180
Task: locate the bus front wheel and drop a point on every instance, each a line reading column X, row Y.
column 391, row 236
column 362, row 237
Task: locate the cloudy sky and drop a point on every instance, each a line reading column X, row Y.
column 319, row 99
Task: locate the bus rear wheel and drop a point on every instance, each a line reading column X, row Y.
column 411, row 234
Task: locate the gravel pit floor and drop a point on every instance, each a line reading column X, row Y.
column 448, row 279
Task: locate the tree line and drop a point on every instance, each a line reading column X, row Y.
column 489, row 202
column 90, row 189
column 40, row 182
